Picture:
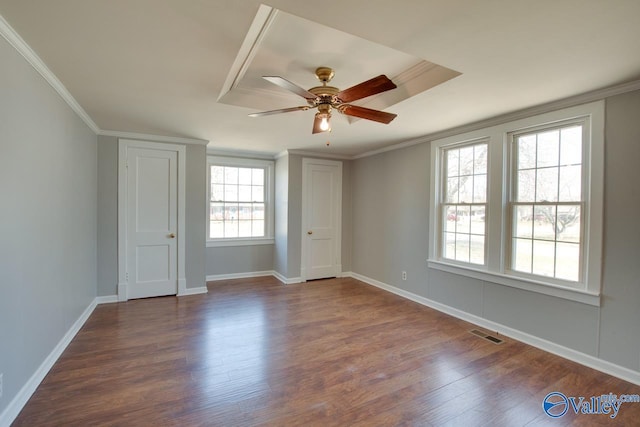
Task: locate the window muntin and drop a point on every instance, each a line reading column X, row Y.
column 464, row 204
column 239, row 198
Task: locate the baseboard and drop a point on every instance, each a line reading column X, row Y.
column 285, row 280
column 280, row 277
column 15, row 406
column 215, row 277
column 194, row 291
column 107, row 299
column 559, row 350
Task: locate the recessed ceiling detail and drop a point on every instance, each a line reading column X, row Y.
column 282, row 44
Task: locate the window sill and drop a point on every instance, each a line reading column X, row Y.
column 240, row 242
column 552, row 289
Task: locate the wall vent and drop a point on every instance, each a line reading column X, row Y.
column 486, row 336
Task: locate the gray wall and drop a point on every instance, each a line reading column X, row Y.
column 239, row 259
column 390, row 234
column 196, row 174
column 47, row 220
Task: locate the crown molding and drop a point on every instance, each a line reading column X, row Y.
column 240, row 153
column 584, row 98
column 319, row 154
column 150, row 137
column 32, row 58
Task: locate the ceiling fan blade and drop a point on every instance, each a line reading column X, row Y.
column 282, row 110
column 292, row 87
column 370, row 87
column 367, row 113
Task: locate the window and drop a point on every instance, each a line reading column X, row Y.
column 520, row 203
column 239, row 194
column 464, row 203
column 547, row 201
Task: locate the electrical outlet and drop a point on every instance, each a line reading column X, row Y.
column 404, row 275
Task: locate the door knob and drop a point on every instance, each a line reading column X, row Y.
column 309, row 232
column 172, row 236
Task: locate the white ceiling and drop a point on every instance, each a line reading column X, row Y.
column 159, row 66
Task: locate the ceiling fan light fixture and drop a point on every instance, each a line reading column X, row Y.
column 324, row 122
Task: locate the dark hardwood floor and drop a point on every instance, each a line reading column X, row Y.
column 329, row 353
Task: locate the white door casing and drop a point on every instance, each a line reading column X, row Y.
column 321, row 219
column 151, row 212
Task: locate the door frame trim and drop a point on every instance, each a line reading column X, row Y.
column 306, row 161
column 123, row 147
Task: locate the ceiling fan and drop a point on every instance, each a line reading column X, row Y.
column 326, row 98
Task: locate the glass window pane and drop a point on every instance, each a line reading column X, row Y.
column 466, row 161
column 244, row 193
column 568, row 225
column 230, row 175
column 217, row 192
column 466, row 189
column 230, row 211
column 257, row 193
column 452, row 190
column 548, row 148
column 547, row 185
column 526, row 188
column 244, row 211
column 543, row 222
column 257, row 229
column 522, row 255
column 217, row 211
column 449, row 246
column 258, row 211
column 543, row 258
column 570, row 186
column 477, row 249
column 568, row 261
column 231, row 229
column 462, row 247
column 244, row 176
column 217, row 174
column 244, row 228
column 479, row 188
column 258, row 176
column 571, row 146
column 480, row 154
column 450, row 219
column 231, row 193
column 526, row 151
column 523, row 221
column 453, row 166
column 463, row 219
column 477, row 220
column 216, row 229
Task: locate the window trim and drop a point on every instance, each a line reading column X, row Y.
column 499, row 166
column 268, row 166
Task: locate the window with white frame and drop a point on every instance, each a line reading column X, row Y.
column 464, row 201
column 239, row 195
column 547, row 201
column 520, row 203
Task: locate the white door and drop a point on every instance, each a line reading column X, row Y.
column 152, row 212
column 321, row 218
